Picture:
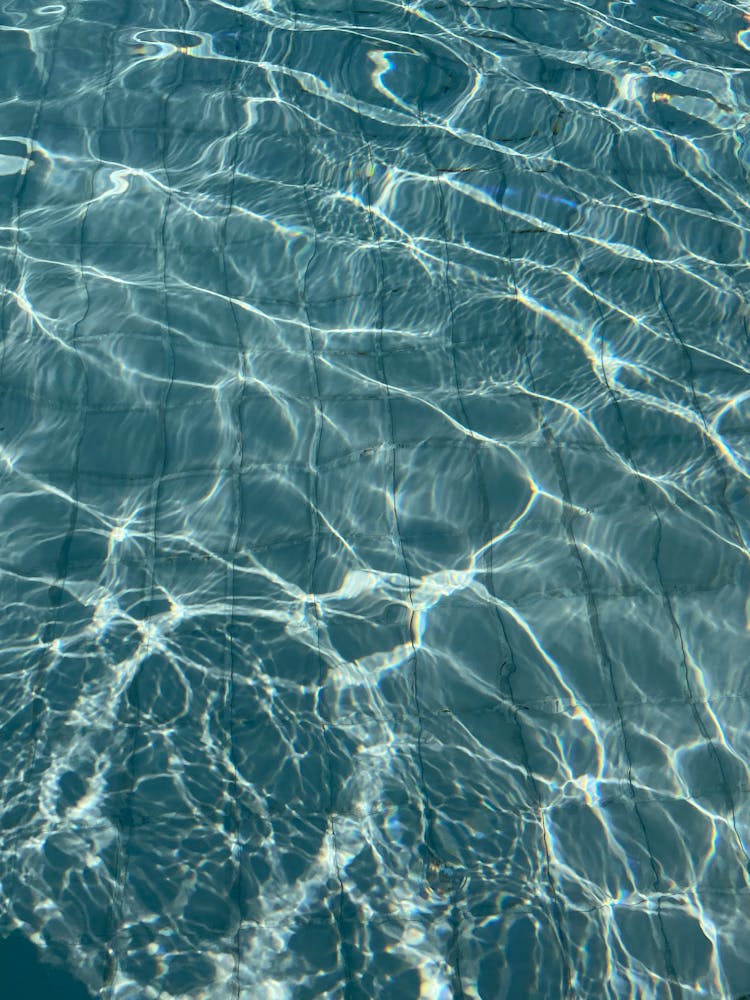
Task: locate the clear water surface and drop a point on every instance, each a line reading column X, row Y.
column 374, row 505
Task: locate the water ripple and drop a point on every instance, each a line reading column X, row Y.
column 375, row 497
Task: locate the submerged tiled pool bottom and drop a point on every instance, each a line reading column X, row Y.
column 374, row 501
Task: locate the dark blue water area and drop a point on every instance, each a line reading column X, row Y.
column 24, row 976
column 374, row 464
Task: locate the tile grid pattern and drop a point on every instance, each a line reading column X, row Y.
column 429, row 697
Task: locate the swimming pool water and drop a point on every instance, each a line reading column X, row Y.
column 374, row 502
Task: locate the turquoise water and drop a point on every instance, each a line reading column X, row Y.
column 374, row 503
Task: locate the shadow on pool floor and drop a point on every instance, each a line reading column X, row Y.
column 23, row 976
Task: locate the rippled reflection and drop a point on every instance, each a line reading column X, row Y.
column 374, row 457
